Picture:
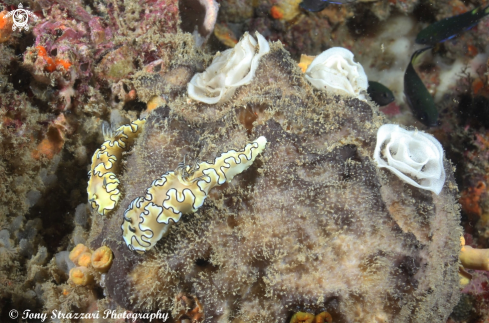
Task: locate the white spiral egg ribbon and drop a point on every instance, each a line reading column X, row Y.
column 229, row 70
column 335, row 71
column 414, row 156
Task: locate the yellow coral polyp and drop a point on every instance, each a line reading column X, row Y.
column 155, row 102
column 287, row 10
column 81, row 276
column 5, row 26
column 323, row 317
column 103, row 192
column 305, row 61
column 471, row 258
column 464, row 277
column 147, row 219
column 84, row 260
column 77, row 251
column 102, row 259
column 195, row 315
column 302, row 317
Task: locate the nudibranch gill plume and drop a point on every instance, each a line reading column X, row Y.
column 147, row 219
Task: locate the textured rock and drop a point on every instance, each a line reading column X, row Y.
column 313, row 225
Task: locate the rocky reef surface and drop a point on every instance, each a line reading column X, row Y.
column 312, row 225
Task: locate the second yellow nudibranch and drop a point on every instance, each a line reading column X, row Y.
column 103, row 184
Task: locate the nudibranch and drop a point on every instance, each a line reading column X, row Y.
column 147, row 219
column 103, row 192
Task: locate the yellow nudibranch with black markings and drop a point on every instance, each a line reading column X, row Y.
column 147, row 219
column 103, row 192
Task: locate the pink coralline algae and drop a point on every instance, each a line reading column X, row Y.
column 73, row 48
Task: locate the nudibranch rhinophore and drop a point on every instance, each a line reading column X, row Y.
column 103, row 192
column 147, row 219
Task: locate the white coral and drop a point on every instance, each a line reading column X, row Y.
column 229, row 70
column 415, row 157
column 335, row 71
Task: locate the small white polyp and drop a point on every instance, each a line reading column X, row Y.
column 229, row 70
column 335, row 71
column 415, row 157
